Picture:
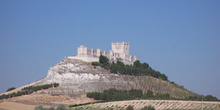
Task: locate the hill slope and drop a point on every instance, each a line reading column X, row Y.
column 76, row 78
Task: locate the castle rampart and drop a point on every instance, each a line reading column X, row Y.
column 119, row 52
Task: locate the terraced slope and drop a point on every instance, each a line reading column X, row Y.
column 158, row 105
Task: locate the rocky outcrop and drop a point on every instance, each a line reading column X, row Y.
column 77, row 78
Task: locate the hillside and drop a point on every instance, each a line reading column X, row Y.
column 76, row 78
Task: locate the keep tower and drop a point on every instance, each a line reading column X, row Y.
column 120, row 48
column 119, row 52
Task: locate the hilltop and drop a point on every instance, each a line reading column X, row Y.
column 76, row 78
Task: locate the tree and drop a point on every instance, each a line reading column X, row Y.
column 103, row 60
column 97, row 96
column 137, row 64
column 137, row 69
column 149, row 107
column 40, row 107
column 210, row 98
column 163, row 77
column 145, row 66
column 130, row 107
column 135, row 93
column 51, row 108
column 163, row 96
column 95, row 63
column 12, row 88
column 61, row 107
column 150, row 94
column 113, row 68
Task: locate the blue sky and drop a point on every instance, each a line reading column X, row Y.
column 179, row 38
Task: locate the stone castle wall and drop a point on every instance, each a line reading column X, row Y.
column 119, row 52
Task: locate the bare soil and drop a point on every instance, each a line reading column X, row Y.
column 15, row 106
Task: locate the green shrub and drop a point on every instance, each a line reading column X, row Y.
column 114, row 94
column 103, row 60
column 95, row 63
column 130, row 107
column 51, row 108
column 148, row 108
column 137, row 69
column 28, row 90
column 40, row 107
column 61, row 107
column 9, row 89
column 210, row 98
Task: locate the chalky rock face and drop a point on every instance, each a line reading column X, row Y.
column 76, row 77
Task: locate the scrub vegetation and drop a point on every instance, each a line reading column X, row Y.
column 141, row 69
column 134, row 94
column 137, row 69
column 28, row 90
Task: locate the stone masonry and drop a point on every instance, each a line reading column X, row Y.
column 119, row 52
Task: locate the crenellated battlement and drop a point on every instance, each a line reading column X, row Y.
column 119, row 52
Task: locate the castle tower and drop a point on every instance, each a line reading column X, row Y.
column 120, row 48
column 119, row 52
column 82, row 50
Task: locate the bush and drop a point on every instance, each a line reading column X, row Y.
column 51, row 108
column 95, row 63
column 148, row 108
column 103, row 60
column 149, row 95
column 137, row 93
column 61, row 107
column 28, row 90
column 40, row 107
column 114, row 94
column 9, row 89
column 130, row 107
column 210, row 98
column 137, row 69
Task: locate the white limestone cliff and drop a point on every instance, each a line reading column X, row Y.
column 75, row 75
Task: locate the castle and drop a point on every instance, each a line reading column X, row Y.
column 119, row 52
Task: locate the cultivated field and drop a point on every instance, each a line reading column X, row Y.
column 15, row 106
column 158, row 105
column 121, row 105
